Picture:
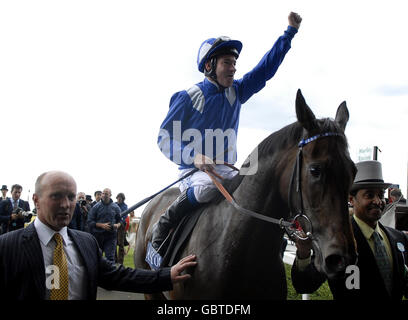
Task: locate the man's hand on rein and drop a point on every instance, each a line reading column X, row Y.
column 303, row 246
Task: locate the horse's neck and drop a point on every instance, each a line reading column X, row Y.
column 259, row 193
column 265, row 191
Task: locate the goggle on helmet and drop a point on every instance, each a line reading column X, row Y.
column 216, row 46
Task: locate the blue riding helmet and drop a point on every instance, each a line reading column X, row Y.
column 215, row 45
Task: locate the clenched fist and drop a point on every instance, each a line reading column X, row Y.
column 294, row 20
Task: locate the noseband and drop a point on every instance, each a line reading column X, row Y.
column 293, row 227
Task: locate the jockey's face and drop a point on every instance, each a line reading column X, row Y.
column 225, row 70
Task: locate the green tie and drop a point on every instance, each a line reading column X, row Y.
column 383, row 261
column 60, row 261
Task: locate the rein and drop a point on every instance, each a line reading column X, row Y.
column 254, row 214
column 293, row 227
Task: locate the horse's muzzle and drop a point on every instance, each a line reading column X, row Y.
column 335, row 265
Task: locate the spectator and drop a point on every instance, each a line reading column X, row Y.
column 397, row 196
column 77, row 221
column 381, row 250
column 104, row 221
column 80, row 216
column 11, row 210
column 389, row 217
column 98, row 196
column 81, row 196
column 120, row 201
column 212, row 105
column 120, row 255
column 4, row 191
column 88, row 199
column 128, row 220
column 133, row 227
column 29, row 256
column 85, row 207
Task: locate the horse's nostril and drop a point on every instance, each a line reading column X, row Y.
column 335, row 263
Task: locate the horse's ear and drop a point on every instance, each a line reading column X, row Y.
column 342, row 115
column 304, row 114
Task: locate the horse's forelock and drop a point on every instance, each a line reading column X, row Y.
column 339, row 166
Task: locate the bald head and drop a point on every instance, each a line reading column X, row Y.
column 44, row 178
column 106, row 195
column 55, row 198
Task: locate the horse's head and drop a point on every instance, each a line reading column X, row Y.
column 326, row 175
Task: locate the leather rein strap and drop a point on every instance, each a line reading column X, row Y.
column 293, row 227
column 231, row 200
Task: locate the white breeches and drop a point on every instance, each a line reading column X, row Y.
column 204, row 188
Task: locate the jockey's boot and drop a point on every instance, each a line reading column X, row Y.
column 170, row 219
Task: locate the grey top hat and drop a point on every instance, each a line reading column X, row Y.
column 4, row 187
column 369, row 175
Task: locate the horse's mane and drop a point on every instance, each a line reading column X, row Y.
column 289, row 136
column 292, row 134
column 281, row 139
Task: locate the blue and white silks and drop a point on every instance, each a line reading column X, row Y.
column 204, row 118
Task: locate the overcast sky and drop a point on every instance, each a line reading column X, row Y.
column 85, row 85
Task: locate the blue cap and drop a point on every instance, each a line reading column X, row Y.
column 210, row 46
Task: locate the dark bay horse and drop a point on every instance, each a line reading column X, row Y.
column 239, row 256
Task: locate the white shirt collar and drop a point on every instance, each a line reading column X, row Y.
column 45, row 233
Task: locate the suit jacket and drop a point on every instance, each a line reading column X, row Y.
column 6, row 209
column 77, row 221
column 22, row 271
column 371, row 283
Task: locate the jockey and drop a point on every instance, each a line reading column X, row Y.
column 201, row 126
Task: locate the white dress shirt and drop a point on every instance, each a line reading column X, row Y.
column 76, row 268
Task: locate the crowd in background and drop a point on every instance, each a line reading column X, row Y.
column 100, row 216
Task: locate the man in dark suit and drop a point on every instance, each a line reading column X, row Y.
column 4, row 191
column 11, row 210
column 381, row 270
column 31, row 257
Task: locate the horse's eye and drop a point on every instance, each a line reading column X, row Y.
column 315, row 171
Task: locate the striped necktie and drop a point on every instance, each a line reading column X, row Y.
column 383, row 261
column 60, row 292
